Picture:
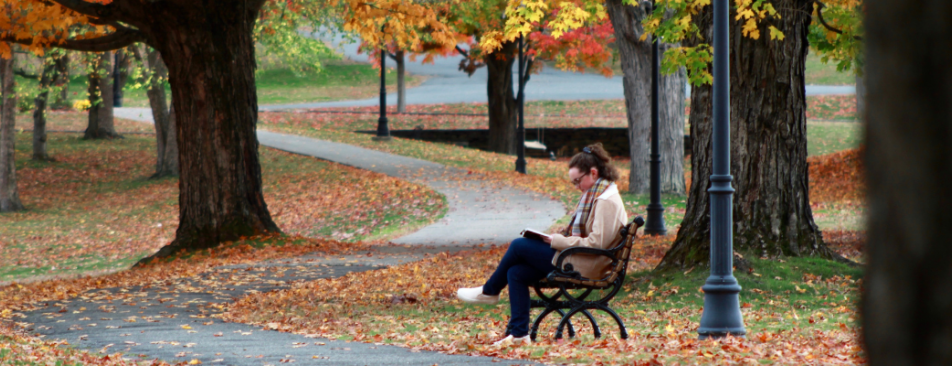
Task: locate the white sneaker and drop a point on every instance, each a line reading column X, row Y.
column 510, row 340
column 475, row 295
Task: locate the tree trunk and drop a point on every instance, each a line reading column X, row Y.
column 166, row 147
column 502, row 101
column 671, row 131
column 771, row 206
column 101, row 125
column 636, row 67
column 39, row 110
column 62, row 81
column 209, row 51
column 9, row 198
column 907, row 310
column 401, row 82
column 860, row 98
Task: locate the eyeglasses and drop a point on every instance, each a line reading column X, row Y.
column 577, row 181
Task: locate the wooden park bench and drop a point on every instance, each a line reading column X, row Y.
column 568, row 303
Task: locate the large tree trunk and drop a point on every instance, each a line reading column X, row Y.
column 101, row 125
column 209, row 51
column 907, row 309
column 167, row 163
column 771, row 209
column 9, row 198
column 502, row 101
column 636, row 66
column 62, row 81
column 860, row 98
column 39, row 110
column 400, row 59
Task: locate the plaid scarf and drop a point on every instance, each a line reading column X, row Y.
column 584, row 209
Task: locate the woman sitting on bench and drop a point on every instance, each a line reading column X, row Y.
column 597, row 221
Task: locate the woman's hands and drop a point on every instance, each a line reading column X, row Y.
column 547, row 239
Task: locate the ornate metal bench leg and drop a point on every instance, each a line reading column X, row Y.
column 535, row 325
column 621, row 324
column 566, row 321
column 508, row 329
column 591, row 319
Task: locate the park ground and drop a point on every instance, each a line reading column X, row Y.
column 93, row 212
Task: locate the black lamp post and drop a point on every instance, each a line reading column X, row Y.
column 655, row 224
column 383, row 130
column 721, row 308
column 521, row 99
column 116, row 88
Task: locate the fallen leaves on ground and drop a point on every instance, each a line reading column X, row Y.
column 413, row 305
column 94, row 209
column 18, row 348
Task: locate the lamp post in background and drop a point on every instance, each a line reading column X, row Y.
column 521, row 99
column 722, row 314
column 116, row 87
column 655, row 224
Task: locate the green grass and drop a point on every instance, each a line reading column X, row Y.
column 829, row 137
column 819, row 73
column 337, row 81
column 794, row 288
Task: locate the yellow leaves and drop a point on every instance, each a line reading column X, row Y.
column 186, row 327
column 776, row 34
column 195, row 361
column 750, row 29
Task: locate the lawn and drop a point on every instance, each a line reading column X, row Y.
column 94, row 210
column 338, row 80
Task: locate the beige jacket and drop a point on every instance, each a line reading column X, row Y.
column 603, row 226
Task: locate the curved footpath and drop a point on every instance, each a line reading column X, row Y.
column 173, row 322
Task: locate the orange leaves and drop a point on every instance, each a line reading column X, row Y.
column 837, row 177
column 41, row 23
column 401, row 22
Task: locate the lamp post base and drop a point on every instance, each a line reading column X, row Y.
column 655, row 224
column 521, row 165
column 721, row 316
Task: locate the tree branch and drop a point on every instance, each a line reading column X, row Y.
column 113, row 41
column 23, row 74
column 462, row 51
column 819, row 15
column 103, row 12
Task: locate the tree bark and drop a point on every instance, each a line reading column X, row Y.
column 39, row 110
column 502, row 101
column 62, row 81
column 636, row 67
column 9, row 198
column 101, row 125
column 166, row 147
column 771, row 206
column 209, row 51
column 400, row 59
column 906, row 306
column 860, row 98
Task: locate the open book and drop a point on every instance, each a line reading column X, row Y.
column 535, row 234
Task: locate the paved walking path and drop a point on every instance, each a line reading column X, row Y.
column 447, row 84
column 174, row 321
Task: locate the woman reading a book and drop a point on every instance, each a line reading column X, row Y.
column 596, row 223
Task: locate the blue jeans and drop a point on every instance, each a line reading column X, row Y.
column 526, row 261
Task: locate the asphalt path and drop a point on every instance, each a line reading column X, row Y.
column 447, row 84
column 176, row 320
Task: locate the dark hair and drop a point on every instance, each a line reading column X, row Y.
column 595, row 156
